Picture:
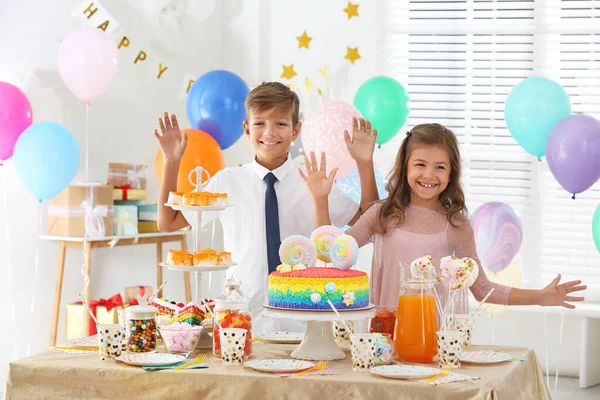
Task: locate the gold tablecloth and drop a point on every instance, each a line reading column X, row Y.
column 57, row 375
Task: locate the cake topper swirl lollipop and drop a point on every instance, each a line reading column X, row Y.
column 344, row 252
column 323, row 238
column 298, row 249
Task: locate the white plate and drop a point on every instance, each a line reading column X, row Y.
column 150, row 359
column 196, row 268
column 484, row 357
column 198, row 208
column 282, row 337
column 322, row 310
column 405, row 371
column 279, row 365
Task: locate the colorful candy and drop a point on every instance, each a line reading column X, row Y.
column 297, row 249
column 384, row 322
column 344, row 252
column 323, row 238
column 180, row 338
column 232, row 319
column 422, row 268
column 141, row 335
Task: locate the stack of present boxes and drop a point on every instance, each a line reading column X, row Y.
column 129, row 193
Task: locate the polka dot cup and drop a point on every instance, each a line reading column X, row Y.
column 362, row 348
column 449, row 348
column 462, row 323
column 340, row 333
column 110, row 338
column 232, row 345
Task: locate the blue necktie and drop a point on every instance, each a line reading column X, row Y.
column 272, row 222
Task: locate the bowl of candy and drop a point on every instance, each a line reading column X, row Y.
column 384, row 349
column 180, row 338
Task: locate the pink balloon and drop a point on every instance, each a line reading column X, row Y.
column 323, row 130
column 15, row 117
column 87, row 62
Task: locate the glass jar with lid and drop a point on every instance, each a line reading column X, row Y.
column 232, row 310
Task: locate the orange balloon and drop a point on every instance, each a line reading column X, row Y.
column 202, row 150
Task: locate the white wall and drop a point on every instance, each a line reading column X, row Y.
column 251, row 38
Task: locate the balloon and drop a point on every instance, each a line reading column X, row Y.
column 511, row 276
column 15, row 117
column 351, row 185
column 87, row 62
column 46, row 159
column 573, row 152
column 215, row 104
column 596, row 227
column 532, row 109
column 498, row 235
column 323, row 130
column 202, row 150
column 384, row 102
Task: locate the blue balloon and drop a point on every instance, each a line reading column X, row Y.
column 215, row 105
column 350, row 184
column 533, row 107
column 46, row 159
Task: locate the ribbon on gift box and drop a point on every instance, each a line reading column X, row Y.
column 133, row 176
column 94, row 222
column 124, row 190
column 124, row 218
column 109, row 304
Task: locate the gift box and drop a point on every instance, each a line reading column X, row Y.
column 126, row 193
column 125, row 221
column 148, row 212
column 129, row 203
column 79, row 322
column 82, row 211
column 127, row 175
column 132, row 292
column 148, row 227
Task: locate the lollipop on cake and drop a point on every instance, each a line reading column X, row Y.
column 344, row 252
column 296, row 253
column 323, row 238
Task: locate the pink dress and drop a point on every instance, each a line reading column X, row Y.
column 424, row 232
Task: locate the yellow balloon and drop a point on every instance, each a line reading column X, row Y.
column 511, row 276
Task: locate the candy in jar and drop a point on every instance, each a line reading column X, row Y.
column 140, row 323
column 232, row 310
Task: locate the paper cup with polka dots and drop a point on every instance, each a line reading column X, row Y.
column 449, row 348
column 340, row 333
column 110, row 339
column 461, row 323
column 233, row 341
column 362, row 348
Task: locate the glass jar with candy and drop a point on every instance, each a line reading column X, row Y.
column 140, row 322
column 232, row 310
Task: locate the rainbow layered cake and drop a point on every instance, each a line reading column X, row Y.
column 310, row 289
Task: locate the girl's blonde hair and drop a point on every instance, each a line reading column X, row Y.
column 452, row 197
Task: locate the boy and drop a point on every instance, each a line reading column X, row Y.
column 271, row 202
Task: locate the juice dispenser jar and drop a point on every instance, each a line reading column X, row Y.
column 232, row 310
column 415, row 336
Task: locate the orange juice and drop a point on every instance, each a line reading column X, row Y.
column 416, row 340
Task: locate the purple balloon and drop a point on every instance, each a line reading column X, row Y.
column 498, row 235
column 573, row 152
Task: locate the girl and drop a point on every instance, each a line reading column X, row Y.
column 425, row 214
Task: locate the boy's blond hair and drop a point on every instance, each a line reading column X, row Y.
column 275, row 96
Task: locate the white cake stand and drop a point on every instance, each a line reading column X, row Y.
column 193, row 214
column 319, row 342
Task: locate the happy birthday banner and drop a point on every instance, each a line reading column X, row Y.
column 93, row 14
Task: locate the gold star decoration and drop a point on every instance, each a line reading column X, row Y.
column 352, row 54
column 352, row 10
column 320, row 91
column 309, row 84
column 323, row 72
column 303, row 40
column 288, row 71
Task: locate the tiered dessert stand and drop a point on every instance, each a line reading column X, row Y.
column 193, row 214
column 319, row 342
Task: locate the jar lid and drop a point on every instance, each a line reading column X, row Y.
column 233, row 298
column 142, row 308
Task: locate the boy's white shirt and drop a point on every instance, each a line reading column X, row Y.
column 244, row 225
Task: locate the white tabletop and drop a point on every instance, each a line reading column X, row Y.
column 140, row 236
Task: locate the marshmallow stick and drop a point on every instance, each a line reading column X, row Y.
column 88, row 309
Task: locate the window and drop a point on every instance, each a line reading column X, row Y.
column 458, row 61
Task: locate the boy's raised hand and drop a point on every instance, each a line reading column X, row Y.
column 171, row 140
column 362, row 143
column 317, row 181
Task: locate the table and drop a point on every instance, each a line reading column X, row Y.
column 88, row 244
column 53, row 374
